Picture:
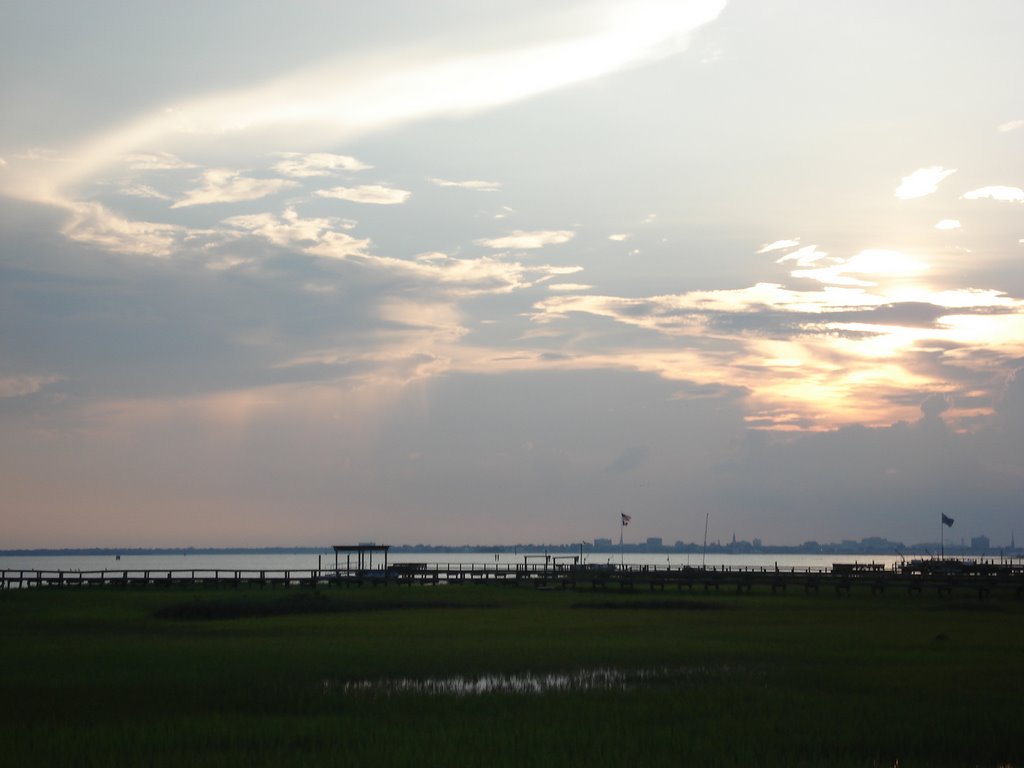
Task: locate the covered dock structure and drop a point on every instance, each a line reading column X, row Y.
column 363, row 556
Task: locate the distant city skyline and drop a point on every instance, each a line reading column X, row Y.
column 456, row 272
column 876, row 545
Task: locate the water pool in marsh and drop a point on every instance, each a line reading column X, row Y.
column 529, row 683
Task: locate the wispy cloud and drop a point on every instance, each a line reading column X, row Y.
column 1000, row 193
column 143, row 190
column 221, row 185
column 227, row 262
column 42, row 154
column 473, row 184
column 865, row 268
column 618, row 237
column 292, row 231
column 93, row 224
column 778, row 245
column 372, row 194
column 155, row 161
column 305, row 165
column 922, row 182
column 321, row 237
column 477, row 276
column 344, row 97
column 803, row 257
column 567, row 287
column 1012, row 125
column 328, row 238
column 19, row 386
column 948, row 224
column 339, row 245
column 528, row 240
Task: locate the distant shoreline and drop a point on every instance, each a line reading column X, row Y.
column 809, row 548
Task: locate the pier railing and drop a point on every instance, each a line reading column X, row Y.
column 941, row 576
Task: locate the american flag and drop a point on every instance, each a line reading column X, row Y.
column 625, row 518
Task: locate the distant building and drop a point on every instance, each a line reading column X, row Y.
column 602, row 543
column 874, row 542
column 980, row 543
column 654, row 542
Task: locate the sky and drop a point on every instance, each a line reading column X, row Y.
column 478, row 272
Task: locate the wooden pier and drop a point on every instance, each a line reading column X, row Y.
column 940, row 578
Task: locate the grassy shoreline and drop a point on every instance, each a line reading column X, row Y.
column 250, row 677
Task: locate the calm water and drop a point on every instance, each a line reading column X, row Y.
column 306, row 562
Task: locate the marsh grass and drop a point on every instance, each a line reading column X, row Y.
column 125, row 677
column 293, row 603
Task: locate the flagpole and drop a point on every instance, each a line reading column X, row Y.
column 942, row 539
column 704, row 554
column 622, row 524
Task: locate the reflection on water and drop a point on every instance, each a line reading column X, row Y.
column 526, row 683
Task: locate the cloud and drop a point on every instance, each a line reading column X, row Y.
column 300, row 165
column 565, row 287
column 484, row 275
column 948, row 224
column 318, row 236
column 93, row 224
column 339, row 245
column 619, row 237
column 142, row 190
column 19, row 386
column 41, row 154
column 864, row 268
column 528, row 240
column 3, row 163
column 228, row 262
column 923, row 181
column 473, row 184
column 1000, row 193
column 1012, row 125
column 221, row 185
column 373, row 194
column 155, row 161
column 325, row 238
column 805, row 256
column 778, row 245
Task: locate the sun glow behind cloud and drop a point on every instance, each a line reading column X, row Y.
column 816, row 359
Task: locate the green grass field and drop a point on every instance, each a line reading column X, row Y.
column 215, row 677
